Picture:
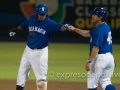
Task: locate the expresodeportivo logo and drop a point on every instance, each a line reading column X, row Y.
column 57, row 8
column 77, row 75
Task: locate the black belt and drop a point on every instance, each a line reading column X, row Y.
column 104, row 52
column 36, row 48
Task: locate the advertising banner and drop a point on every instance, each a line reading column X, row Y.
column 74, row 12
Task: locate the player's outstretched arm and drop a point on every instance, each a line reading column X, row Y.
column 84, row 33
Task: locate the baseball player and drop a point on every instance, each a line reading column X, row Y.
column 100, row 64
column 35, row 55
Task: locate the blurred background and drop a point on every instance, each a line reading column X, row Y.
column 68, row 51
column 74, row 12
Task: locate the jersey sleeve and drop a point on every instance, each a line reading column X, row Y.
column 90, row 32
column 24, row 24
column 98, row 37
column 56, row 28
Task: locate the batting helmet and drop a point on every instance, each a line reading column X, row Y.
column 41, row 9
column 100, row 12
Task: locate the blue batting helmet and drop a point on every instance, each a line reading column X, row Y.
column 41, row 9
column 100, row 12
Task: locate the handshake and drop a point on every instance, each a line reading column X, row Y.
column 69, row 27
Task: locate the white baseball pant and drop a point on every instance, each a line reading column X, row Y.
column 102, row 68
column 36, row 59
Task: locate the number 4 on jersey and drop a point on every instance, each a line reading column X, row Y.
column 109, row 39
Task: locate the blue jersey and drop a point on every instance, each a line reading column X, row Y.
column 40, row 31
column 101, row 37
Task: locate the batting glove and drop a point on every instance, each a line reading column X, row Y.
column 12, row 32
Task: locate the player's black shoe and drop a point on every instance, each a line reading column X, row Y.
column 19, row 87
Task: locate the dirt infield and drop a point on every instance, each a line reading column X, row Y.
column 52, row 85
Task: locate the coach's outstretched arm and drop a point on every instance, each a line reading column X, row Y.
column 84, row 33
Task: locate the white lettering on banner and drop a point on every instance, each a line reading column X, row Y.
column 118, row 11
column 79, row 11
column 80, row 2
column 82, row 11
column 97, row 2
column 113, row 12
column 40, row 30
column 88, row 2
column 85, row 11
column 83, row 8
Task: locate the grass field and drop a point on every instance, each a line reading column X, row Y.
column 66, row 61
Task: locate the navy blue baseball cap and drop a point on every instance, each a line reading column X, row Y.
column 100, row 12
column 41, row 9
